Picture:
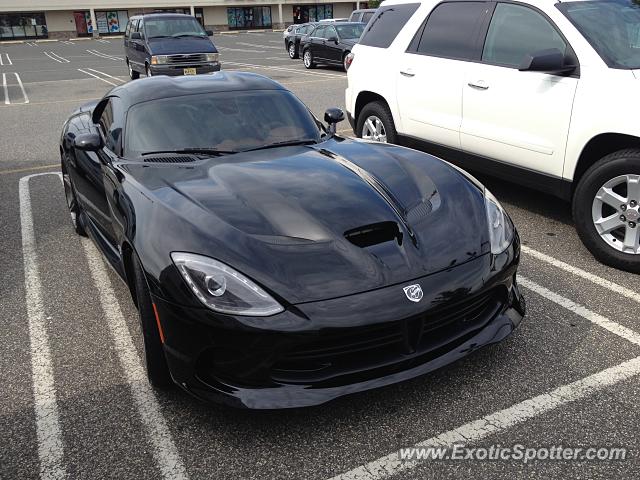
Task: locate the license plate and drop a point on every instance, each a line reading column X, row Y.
column 189, row 71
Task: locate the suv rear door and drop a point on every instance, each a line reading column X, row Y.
column 433, row 69
column 521, row 118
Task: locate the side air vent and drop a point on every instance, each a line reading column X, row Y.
column 170, row 159
column 369, row 235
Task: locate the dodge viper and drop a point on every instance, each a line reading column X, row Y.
column 274, row 263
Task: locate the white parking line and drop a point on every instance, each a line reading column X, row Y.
column 283, row 69
column 107, row 75
column 242, row 50
column 67, row 42
column 164, row 450
column 501, row 420
column 258, row 46
column 24, row 93
column 6, row 62
column 5, row 87
column 98, row 77
column 7, row 101
column 102, row 41
column 104, row 55
column 54, row 56
column 276, row 41
column 48, row 432
column 581, row 273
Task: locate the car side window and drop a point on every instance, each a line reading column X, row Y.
column 127, row 31
column 383, row 29
column 140, row 27
column 330, row 32
column 319, row 32
column 516, row 31
column 366, row 16
column 452, row 30
column 110, row 128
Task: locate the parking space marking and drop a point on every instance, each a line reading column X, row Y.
column 258, row 46
column 67, row 42
column 98, row 77
column 28, row 169
column 164, row 449
column 55, row 57
column 6, row 62
column 102, row 41
column 276, row 41
column 593, row 317
column 5, row 88
column 501, row 420
column 107, row 75
column 48, row 432
column 284, row 69
column 582, row 273
column 227, row 49
column 104, row 55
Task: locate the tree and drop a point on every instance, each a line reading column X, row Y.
column 376, row 3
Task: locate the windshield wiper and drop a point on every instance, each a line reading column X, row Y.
column 197, row 151
column 179, row 35
column 287, row 143
column 159, row 36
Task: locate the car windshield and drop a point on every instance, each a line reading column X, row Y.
column 173, row 27
column 350, row 31
column 226, row 121
column 612, row 27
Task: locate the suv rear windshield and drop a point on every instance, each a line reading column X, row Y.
column 224, row 121
column 173, row 27
column 350, row 31
column 612, row 27
column 382, row 30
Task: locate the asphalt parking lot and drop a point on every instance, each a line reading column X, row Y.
column 75, row 402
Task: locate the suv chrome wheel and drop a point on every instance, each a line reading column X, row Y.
column 373, row 129
column 307, row 59
column 615, row 213
column 292, row 50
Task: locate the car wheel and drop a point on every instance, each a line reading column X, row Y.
column 132, row 73
column 147, row 71
column 72, row 203
column 293, row 51
column 376, row 123
column 155, row 360
column 307, row 59
column 344, row 61
column 606, row 210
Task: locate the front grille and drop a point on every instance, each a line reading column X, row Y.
column 170, row 159
column 335, row 354
column 189, row 58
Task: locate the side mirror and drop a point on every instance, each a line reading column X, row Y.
column 209, row 33
column 333, row 116
column 136, row 36
column 88, row 142
column 546, row 61
column 333, row 39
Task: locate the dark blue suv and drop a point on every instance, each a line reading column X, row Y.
column 168, row 44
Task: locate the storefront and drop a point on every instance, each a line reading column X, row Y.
column 312, row 13
column 23, row 25
column 248, row 17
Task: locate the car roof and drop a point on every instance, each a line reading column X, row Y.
column 162, row 86
column 160, row 15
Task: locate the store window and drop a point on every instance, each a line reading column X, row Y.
column 111, row 21
column 199, row 15
column 23, row 25
column 248, row 17
column 311, row 13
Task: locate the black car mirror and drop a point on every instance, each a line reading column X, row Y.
column 209, row 33
column 333, row 116
column 551, row 60
column 136, row 36
column 89, row 142
column 333, row 39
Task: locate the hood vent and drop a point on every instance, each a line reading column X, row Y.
column 170, row 159
column 369, row 235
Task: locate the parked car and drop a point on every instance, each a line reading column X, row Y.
column 362, row 15
column 292, row 37
column 168, row 44
column 330, row 44
column 540, row 93
column 273, row 263
column 333, row 20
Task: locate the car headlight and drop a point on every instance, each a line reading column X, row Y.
column 223, row 289
column 159, row 59
column 501, row 228
column 212, row 57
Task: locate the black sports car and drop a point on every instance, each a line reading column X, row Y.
column 330, row 43
column 274, row 263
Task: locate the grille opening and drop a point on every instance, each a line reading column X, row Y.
column 369, row 235
column 170, row 159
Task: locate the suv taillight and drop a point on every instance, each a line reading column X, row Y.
column 349, row 60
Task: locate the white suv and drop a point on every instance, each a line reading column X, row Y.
column 539, row 92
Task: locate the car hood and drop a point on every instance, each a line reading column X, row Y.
column 323, row 221
column 184, row 45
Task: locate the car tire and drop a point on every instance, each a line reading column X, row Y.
column 154, row 356
column 603, row 194
column 344, row 60
column 133, row 74
column 377, row 116
column 307, row 59
column 75, row 210
column 293, row 51
column 147, row 70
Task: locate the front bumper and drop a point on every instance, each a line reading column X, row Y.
column 315, row 352
column 178, row 70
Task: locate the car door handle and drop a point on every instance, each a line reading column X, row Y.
column 479, row 84
column 407, row 73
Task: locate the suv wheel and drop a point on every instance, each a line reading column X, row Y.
column 307, row 59
column 133, row 75
column 293, row 51
column 376, row 123
column 606, row 210
column 147, row 70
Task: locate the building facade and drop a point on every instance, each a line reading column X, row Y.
column 68, row 18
